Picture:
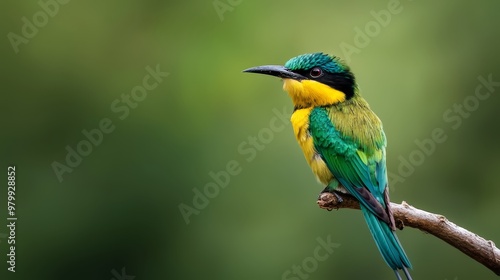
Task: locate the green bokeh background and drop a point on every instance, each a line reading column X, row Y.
column 119, row 208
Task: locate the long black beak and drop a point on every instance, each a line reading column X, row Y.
column 275, row 70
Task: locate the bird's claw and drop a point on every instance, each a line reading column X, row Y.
column 329, row 200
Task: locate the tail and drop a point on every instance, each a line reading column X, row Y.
column 387, row 243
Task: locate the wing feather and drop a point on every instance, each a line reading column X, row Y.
column 363, row 175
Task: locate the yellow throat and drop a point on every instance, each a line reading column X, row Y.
column 309, row 93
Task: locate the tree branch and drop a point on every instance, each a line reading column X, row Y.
column 482, row 250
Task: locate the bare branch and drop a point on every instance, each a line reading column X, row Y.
column 482, row 250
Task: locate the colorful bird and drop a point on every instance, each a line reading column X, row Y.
column 342, row 140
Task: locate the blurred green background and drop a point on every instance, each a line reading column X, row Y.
column 119, row 207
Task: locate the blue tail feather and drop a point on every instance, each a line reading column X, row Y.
column 387, row 243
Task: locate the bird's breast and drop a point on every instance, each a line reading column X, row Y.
column 300, row 123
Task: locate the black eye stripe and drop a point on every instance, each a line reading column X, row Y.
column 344, row 81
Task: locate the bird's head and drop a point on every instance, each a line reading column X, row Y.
column 315, row 79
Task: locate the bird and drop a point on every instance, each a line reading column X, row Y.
column 343, row 141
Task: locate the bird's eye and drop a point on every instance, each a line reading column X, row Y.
column 316, row 72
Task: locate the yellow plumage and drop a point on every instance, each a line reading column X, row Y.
column 300, row 124
column 309, row 93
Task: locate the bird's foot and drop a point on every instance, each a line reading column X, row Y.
column 329, row 200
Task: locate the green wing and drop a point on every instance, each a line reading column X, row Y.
column 359, row 168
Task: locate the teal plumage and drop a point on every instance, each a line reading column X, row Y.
column 329, row 63
column 357, row 175
column 343, row 141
